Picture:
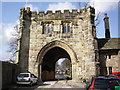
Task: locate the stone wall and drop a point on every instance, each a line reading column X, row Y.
column 9, row 74
column 109, row 61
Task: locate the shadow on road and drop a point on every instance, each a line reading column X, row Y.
column 36, row 86
column 44, row 84
column 27, row 87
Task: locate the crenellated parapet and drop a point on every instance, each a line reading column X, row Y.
column 25, row 13
column 58, row 14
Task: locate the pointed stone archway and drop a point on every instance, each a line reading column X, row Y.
column 49, row 55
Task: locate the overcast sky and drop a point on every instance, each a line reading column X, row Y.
column 10, row 12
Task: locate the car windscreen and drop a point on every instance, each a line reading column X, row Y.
column 101, row 83
column 23, row 75
column 113, row 83
column 117, row 74
column 106, row 83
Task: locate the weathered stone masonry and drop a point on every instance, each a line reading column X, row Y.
column 73, row 32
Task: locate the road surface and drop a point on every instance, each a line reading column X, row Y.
column 51, row 84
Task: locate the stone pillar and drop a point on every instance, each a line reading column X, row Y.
column 75, row 72
column 40, row 73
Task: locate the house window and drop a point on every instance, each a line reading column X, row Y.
column 43, row 29
column 66, row 28
column 46, row 29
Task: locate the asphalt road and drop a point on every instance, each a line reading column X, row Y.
column 60, row 82
column 51, row 84
column 60, row 76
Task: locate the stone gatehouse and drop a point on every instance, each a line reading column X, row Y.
column 46, row 37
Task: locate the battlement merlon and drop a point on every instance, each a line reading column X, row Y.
column 90, row 11
column 25, row 14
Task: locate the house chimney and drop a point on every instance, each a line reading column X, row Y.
column 107, row 28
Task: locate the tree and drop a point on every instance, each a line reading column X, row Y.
column 87, row 4
column 13, row 44
column 66, row 66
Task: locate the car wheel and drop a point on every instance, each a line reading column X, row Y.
column 36, row 82
column 31, row 84
column 17, row 84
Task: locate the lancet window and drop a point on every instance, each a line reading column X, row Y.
column 46, row 28
column 66, row 28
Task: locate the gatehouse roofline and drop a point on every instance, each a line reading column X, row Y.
column 67, row 13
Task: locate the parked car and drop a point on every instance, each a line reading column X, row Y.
column 103, row 83
column 116, row 74
column 26, row 78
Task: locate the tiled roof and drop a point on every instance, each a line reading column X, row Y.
column 112, row 43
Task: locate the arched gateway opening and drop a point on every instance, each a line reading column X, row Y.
column 49, row 55
column 49, row 62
